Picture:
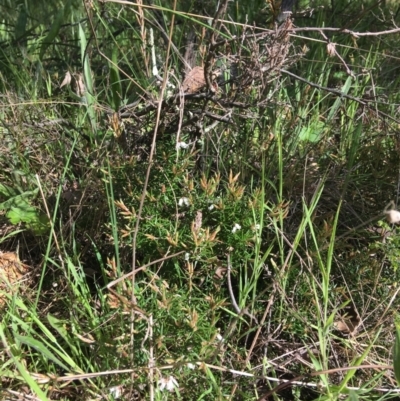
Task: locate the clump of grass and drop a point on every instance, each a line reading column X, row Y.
column 199, row 246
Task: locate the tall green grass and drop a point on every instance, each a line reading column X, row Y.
column 289, row 192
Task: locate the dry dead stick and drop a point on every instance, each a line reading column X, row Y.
column 144, row 191
column 125, row 276
column 340, row 94
column 318, row 373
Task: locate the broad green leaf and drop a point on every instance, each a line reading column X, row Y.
column 89, row 98
column 8, row 192
column 329, row 321
column 21, row 214
column 41, row 348
column 40, row 225
column 339, row 101
column 352, row 396
column 20, row 26
column 55, row 28
column 313, row 132
column 24, row 373
column 58, row 325
column 20, row 200
column 115, row 81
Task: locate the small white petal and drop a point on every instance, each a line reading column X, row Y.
column 191, row 366
column 67, row 79
column 172, row 383
column 182, row 145
column 167, row 383
column 116, row 391
column 162, row 383
column 393, row 216
column 236, row 227
column 183, row 201
column 211, row 207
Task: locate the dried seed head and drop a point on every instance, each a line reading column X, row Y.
column 80, row 88
column 194, row 80
column 67, row 79
column 392, row 216
column 331, row 49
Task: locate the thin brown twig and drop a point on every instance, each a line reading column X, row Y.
column 349, row 72
column 230, row 22
column 144, row 267
column 338, row 93
column 260, row 327
column 146, row 182
column 348, row 31
column 284, row 383
column 216, row 24
column 288, row 383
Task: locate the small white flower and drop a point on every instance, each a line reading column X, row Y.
column 183, row 201
column 191, row 366
column 236, row 227
column 169, row 93
column 182, row 145
column 167, row 383
column 211, row 207
column 220, row 338
column 116, row 391
column 187, row 256
column 170, row 85
column 331, row 49
column 392, row 216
